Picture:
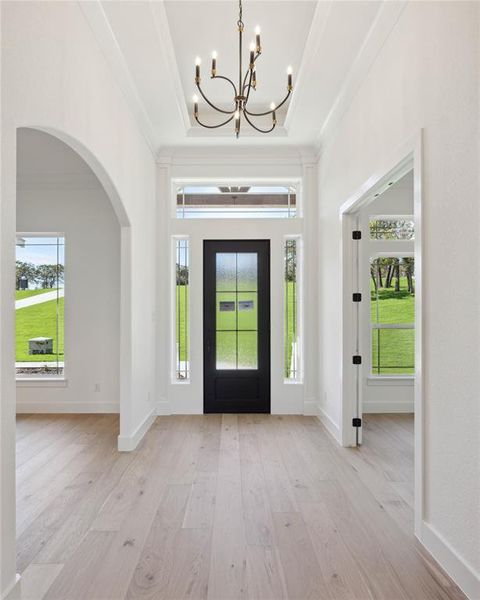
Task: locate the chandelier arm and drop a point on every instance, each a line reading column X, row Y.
column 249, row 86
column 269, row 112
column 258, row 128
column 226, row 112
column 213, row 126
column 248, row 71
column 226, row 79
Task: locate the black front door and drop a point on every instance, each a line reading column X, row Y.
column 236, row 323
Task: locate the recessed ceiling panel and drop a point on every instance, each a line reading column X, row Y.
column 199, row 27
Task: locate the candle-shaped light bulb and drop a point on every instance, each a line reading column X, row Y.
column 274, row 116
column 252, row 55
column 198, row 62
column 214, row 63
column 195, row 105
column 237, row 115
column 257, row 39
column 289, row 78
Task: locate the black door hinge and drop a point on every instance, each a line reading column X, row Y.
column 356, row 422
column 357, row 359
column 356, row 235
column 357, row 297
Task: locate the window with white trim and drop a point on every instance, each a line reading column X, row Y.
column 39, row 305
column 236, row 202
column 182, row 309
column 392, row 302
column 292, row 345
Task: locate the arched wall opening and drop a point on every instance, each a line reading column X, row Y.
column 61, row 189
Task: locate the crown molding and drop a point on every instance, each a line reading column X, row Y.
column 160, row 20
column 310, row 51
column 105, row 37
column 380, row 30
column 186, row 156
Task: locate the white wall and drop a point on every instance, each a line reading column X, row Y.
column 426, row 76
column 92, row 296
column 254, row 168
column 54, row 77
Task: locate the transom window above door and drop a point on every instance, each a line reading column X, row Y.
column 236, row 202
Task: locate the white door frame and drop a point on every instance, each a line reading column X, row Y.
column 404, row 159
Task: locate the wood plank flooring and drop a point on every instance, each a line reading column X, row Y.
column 219, row 507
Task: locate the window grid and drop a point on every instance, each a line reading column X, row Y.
column 182, row 299
column 392, row 299
column 291, row 350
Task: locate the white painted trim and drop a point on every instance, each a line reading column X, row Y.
column 330, row 425
column 126, row 443
column 99, row 24
column 12, row 591
column 386, row 406
column 163, row 407
column 385, row 21
column 386, row 380
column 310, row 407
column 29, row 382
column 402, row 160
column 463, row 574
column 160, row 21
column 66, row 407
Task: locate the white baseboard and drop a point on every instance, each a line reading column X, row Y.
column 163, row 407
column 460, row 571
column 310, row 407
column 332, row 428
column 66, row 407
column 388, row 407
column 12, row 591
column 127, row 443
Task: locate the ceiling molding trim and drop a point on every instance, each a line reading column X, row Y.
column 385, row 21
column 310, row 51
column 247, row 132
column 103, row 33
column 162, row 28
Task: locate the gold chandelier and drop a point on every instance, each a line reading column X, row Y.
column 246, row 83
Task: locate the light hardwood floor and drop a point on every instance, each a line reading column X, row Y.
column 261, row 507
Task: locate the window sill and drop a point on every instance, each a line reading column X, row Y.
column 407, row 380
column 293, row 381
column 42, row 382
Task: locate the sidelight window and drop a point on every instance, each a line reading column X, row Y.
column 291, row 310
column 182, row 306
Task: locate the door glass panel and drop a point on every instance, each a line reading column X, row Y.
column 247, row 350
column 247, row 310
column 226, row 349
column 226, row 311
column 236, row 310
column 226, row 272
column 247, row 271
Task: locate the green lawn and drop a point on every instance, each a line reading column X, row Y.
column 226, row 340
column 40, row 320
column 397, row 347
column 21, row 294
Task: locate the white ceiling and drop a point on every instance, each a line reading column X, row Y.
column 151, row 46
